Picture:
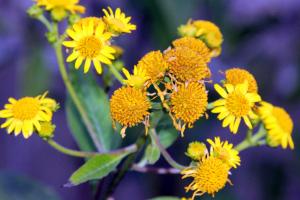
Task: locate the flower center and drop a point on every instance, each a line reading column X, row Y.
column 212, row 175
column 284, row 120
column 26, row 108
column 237, row 104
column 89, row 47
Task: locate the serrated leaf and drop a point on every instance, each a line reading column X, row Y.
column 165, row 198
column 152, row 154
column 96, row 104
column 96, row 168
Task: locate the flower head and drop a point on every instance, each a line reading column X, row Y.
column 236, row 103
column 225, row 152
column 60, row 8
column 129, row 106
column 209, row 176
column 278, row 124
column 194, row 44
column 196, row 150
column 236, row 76
column 189, row 102
column 89, row 43
column 26, row 114
column 117, row 22
column 154, row 65
column 186, row 64
column 138, row 79
column 47, row 130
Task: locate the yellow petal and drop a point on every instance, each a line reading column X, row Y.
column 219, row 109
column 87, row 65
column 247, row 121
column 70, row 44
column 229, row 119
column 236, row 125
column 98, row 66
column 73, row 56
column 78, row 62
column 220, row 90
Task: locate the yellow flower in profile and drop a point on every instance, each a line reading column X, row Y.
column 225, row 152
column 154, row 65
column 89, row 43
column 196, row 150
column 189, row 102
column 278, row 124
column 59, row 8
column 118, row 22
column 236, row 76
column 209, row 176
column 138, row 79
column 236, row 103
column 26, row 114
column 129, row 106
column 186, row 64
column 194, row 44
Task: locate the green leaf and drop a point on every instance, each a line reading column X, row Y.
column 14, row 187
column 96, row 104
column 96, row 168
column 152, row 154
column 168, row 136
column 78, row 129
column 165, row 198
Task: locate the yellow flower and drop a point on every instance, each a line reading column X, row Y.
column 186, row 64
column 278, row 124
column 154, row 65
column 236, row 103
column 26, row 114
column 138, row 79
column 89, row 43
column 189, row 102
column 118, row 22
column 225, row 152
column 187, row 29
column 129, row 106
column 209, row 176
column 194, row 44
column 47, row 130
column 196, row 150
column 236, row 76
column 59, row 8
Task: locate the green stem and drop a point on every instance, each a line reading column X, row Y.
column 73, row 95
column 82, row 154
column 116, row 73
column 164, row 152
column 251, row 141
column 43, row 19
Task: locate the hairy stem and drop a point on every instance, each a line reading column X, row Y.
column 116, row 73
column 155, row 170
column 252, row 140
column 72, row 92
column 164, row 152
column 82, row 154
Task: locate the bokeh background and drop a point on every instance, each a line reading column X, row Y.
column 259, row 35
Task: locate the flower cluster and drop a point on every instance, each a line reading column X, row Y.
column 173, row 82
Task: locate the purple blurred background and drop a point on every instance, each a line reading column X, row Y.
column 262, row 36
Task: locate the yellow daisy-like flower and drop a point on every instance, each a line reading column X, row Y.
column 278, row 124
column 118, row 22
column 196, row 150
column 154, row 65
column 189, row 102
column 236, row 103
column 194, row 44
column 186, row 64
column 26, row 114
column 89, row 43
column 138, row 79
column 59, row 8
column 225, row 152
column 236, row 76
column 209, row 176
column 129, row 106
